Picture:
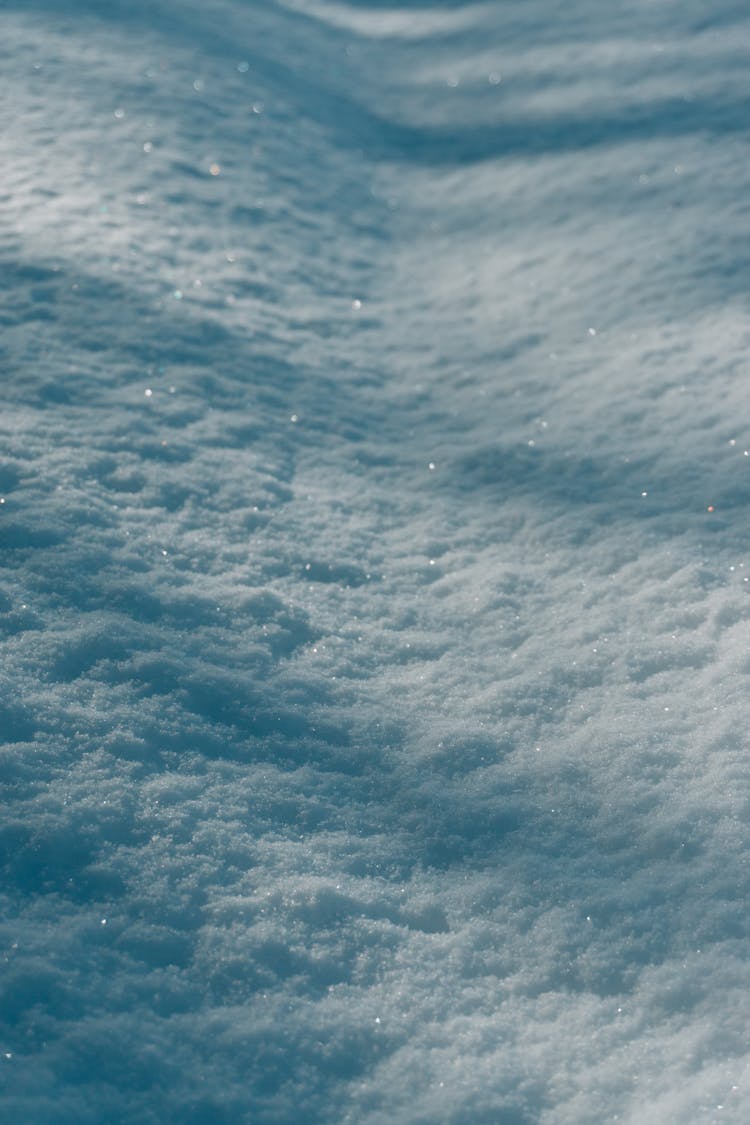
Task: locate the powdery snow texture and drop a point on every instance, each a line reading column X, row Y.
column 374, row 483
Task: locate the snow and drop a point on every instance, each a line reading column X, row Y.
column 374, row 581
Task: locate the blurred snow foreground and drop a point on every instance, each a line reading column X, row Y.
column 373, row 502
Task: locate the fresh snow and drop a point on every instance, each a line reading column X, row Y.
column 374, row 489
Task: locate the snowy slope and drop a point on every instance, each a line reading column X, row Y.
column 374, row 478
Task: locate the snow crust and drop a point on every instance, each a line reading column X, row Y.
column 374, row 583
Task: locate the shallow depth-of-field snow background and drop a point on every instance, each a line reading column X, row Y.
column 375, row 477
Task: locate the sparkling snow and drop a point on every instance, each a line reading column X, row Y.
column 375, row 618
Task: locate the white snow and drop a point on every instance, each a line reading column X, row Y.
column 374, row 470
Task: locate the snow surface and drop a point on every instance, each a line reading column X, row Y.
column 375, row 480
